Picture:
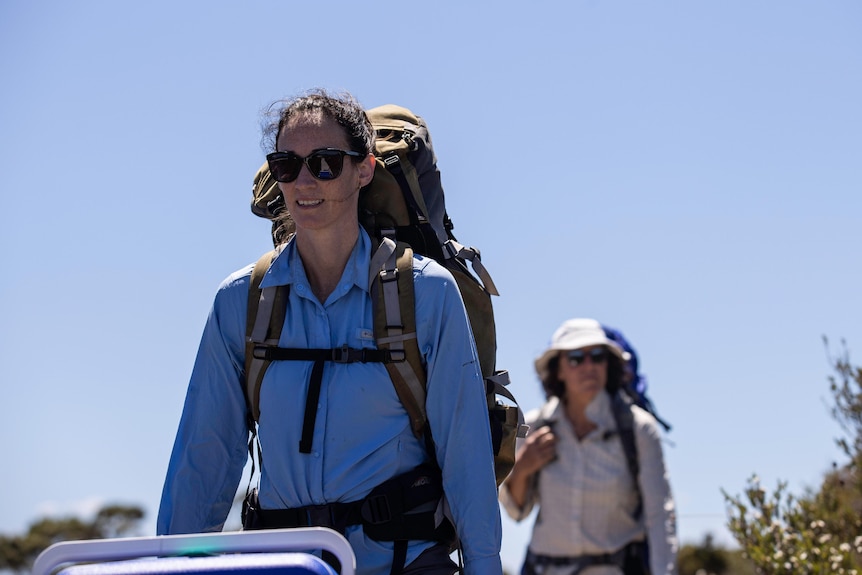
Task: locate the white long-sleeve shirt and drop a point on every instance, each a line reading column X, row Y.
column 587, row 496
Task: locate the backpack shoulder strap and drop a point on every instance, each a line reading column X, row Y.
column 394, row 302
column 264, row 322
column 625, row 420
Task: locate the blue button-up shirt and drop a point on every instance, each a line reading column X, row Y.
column 362, row 434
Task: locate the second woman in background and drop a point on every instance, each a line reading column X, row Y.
column 595, row 517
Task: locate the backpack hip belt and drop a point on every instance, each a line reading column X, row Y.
column 631, row 559
column 405, row 507
column 336, row 516
column 536, row 563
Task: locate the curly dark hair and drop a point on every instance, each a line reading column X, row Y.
column 553, row 386
column 342, row 107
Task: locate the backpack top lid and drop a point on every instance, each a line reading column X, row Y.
column 638, row 381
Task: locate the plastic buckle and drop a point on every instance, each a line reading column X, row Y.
column 387, row 276
column 392, row 162
column 342, row 354
column 396, row 355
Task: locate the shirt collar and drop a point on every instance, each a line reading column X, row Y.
column 599, row 411
column 287, row 268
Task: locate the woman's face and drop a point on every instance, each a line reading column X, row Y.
column 321, row 204
column 584, row 373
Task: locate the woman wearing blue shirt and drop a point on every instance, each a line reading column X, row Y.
column 361, row 435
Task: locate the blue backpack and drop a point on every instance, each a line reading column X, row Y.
column 637, row 383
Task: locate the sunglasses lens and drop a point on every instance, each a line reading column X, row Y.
column 326, row 164
column 284, row 167
column 577, row 357
column 322, row 164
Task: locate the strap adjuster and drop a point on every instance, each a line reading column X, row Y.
column 345, row 354
column 389, row 275
column 392, row 162
column 396, row 355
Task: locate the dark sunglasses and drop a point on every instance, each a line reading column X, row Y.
column 578, row 356
column 324, row 164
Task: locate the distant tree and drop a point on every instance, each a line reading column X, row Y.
column 707, row 559
column 841, row 494
column 117, row 521
column 819, row 532
column 693, row 558
column 18, row 552
column 704, row 558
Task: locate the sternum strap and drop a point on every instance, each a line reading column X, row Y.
column 343, row 354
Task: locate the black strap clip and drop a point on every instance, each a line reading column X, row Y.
column 393, row 162
column 345, row 354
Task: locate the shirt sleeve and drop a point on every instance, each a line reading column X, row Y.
column 508, row 503
column 458, row 416
column 658, row 503
column 210, row 449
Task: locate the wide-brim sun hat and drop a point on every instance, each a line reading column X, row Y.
column 576, row 333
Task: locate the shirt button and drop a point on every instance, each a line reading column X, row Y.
column 316, row 454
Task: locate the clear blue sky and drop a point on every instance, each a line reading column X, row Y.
column 689, row 172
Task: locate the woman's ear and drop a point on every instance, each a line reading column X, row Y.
column 366, row 169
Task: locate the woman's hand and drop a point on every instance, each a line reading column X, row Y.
column 539, row 449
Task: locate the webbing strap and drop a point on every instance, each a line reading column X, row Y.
column 261, row 334
column 341, row 354
column 264, row 312
column 576, row 564
column 399, row 557
column 624, row 418
column 264, row 322
column 311, row 399
column 498, row 382
column 380, row 257
column 395, row 329
column 400, row 168
column 452, row 249
column 337, row 515
column 266, row 326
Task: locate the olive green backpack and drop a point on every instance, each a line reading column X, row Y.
column 403, row 210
